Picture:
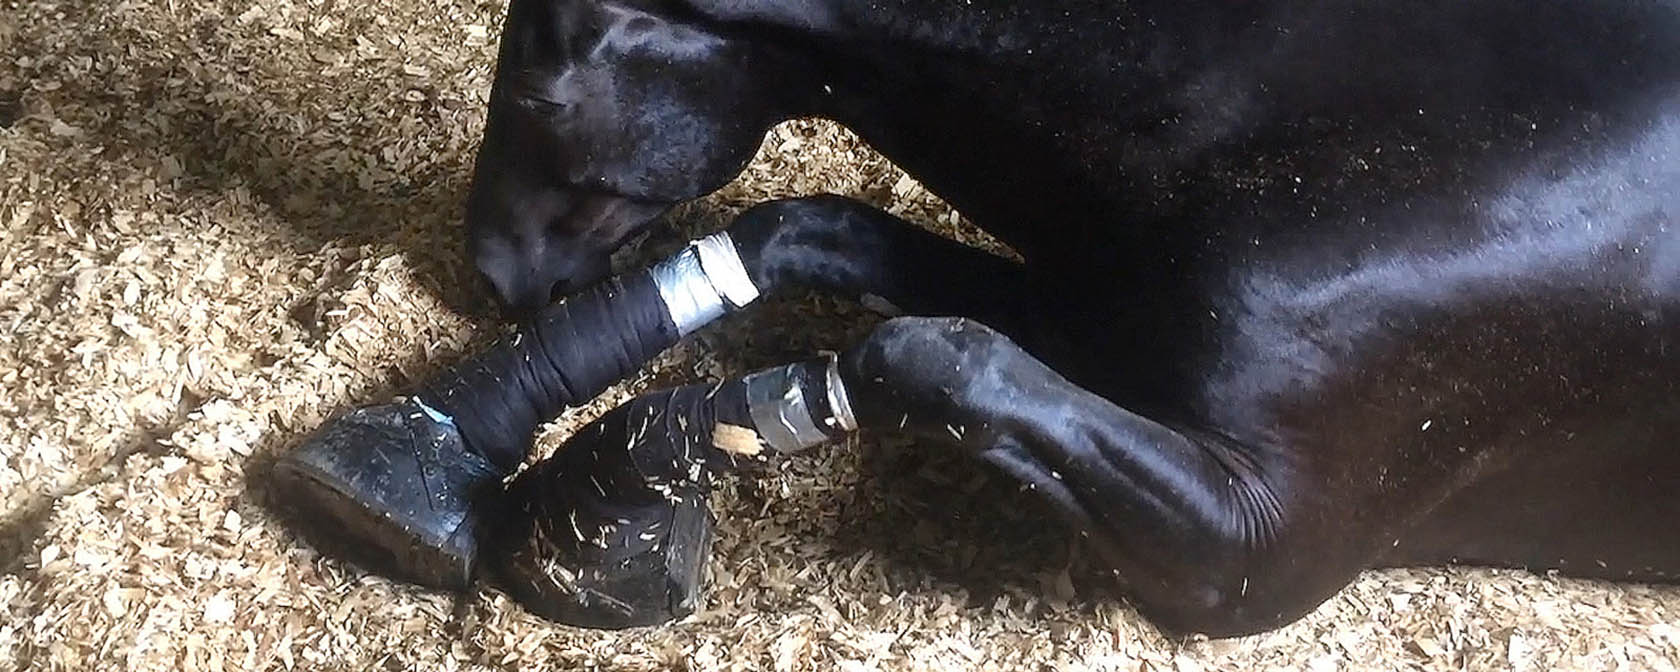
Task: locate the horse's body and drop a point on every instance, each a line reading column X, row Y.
column 1316, row 286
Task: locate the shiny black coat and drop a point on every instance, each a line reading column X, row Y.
column 1335, row 284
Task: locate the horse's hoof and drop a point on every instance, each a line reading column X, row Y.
column 392, row 488
column 614, row 530
column 584, row 562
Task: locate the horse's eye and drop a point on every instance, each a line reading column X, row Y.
column 542, row 106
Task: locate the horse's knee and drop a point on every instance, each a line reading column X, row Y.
column 801, row 222
column 922, row 366
column 910, row 350
column 827, row 242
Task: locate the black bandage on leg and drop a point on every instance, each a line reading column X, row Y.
column 572, row 352
column 613, row 531
column 577, row 348
column 403, row 488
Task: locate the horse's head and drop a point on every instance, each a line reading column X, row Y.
column 602, row 116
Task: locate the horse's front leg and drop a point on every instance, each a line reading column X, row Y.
column 403, row 488
column 612, row 531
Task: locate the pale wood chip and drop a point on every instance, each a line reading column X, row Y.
column 736, row 440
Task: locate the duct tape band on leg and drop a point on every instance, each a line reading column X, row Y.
column 776, row 402
column 699, row 280
column 722, row 265
column 783, row 415
column 838, row 403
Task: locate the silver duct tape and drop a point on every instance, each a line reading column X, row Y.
column 689, row 296
column 697, row 281
column 723, row 266
column 838, row 402
column 779, row 411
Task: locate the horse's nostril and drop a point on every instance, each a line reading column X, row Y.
column 517, row 305
column 558, row 291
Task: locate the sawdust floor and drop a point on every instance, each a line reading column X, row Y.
column 224, row 222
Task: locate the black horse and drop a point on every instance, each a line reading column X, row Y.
column 1309, row 286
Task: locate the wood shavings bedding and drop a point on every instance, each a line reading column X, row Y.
column 225, row 221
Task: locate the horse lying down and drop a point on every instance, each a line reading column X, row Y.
column 613, row 530
column 1306, row 287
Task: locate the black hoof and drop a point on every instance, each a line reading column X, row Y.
column 614, row 530
column 394, row 490
column 644, row 571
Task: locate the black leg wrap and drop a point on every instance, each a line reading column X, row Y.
column 404, row 489
column 572, row 352
column 614, row 530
